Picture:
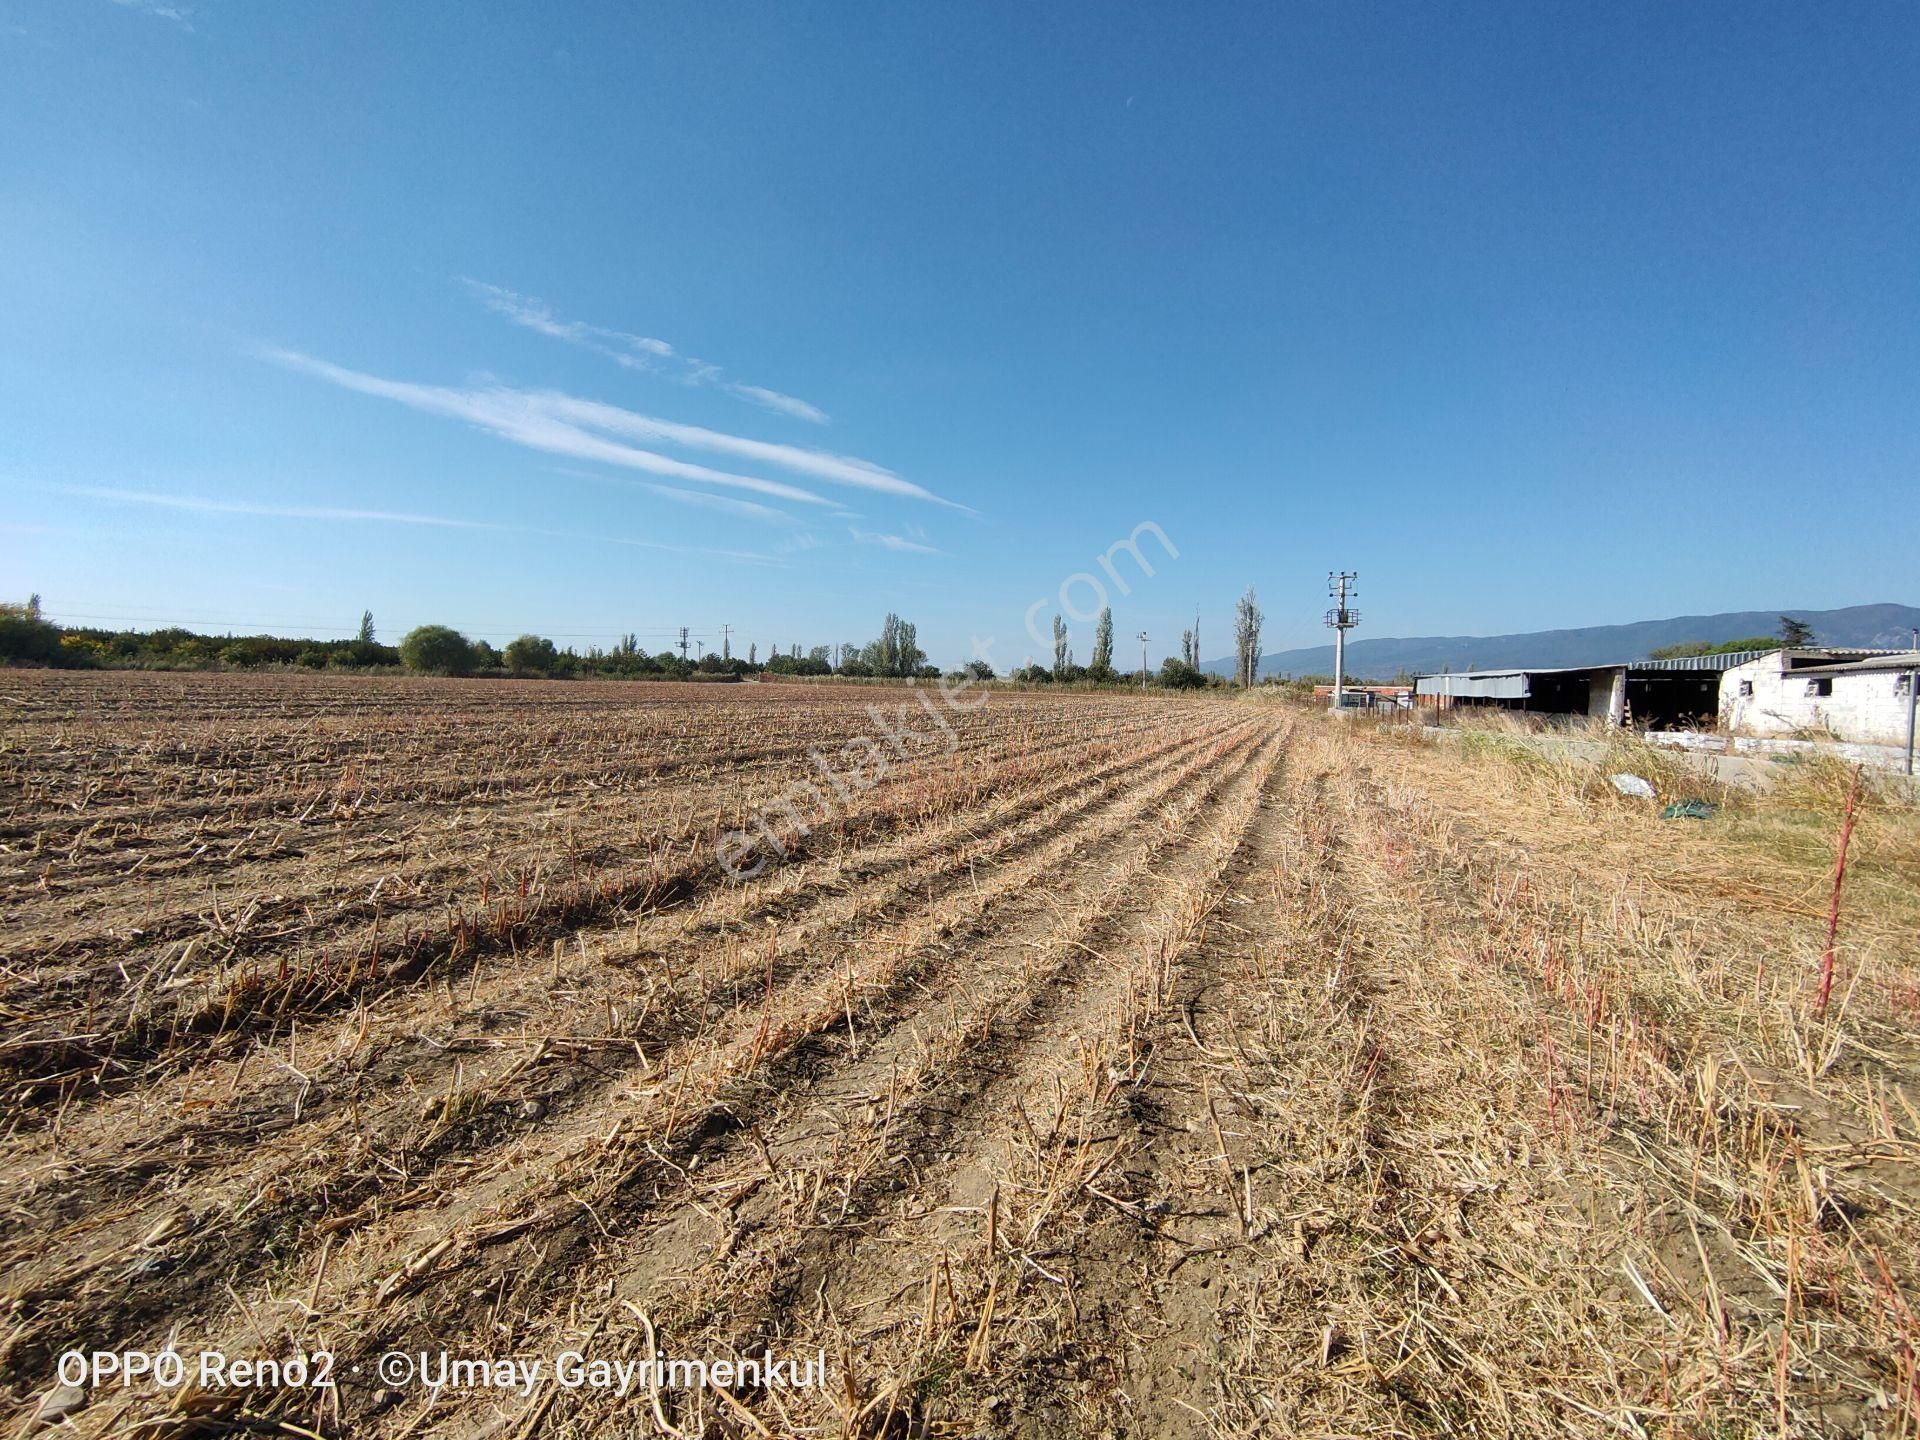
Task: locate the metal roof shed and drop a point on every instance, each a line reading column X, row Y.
column 1476, row 685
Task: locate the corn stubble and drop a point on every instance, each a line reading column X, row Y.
column 1146, row 1067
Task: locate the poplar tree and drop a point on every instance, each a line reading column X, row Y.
column 1103, row 641
column 1246, row 640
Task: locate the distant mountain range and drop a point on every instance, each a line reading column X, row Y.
column 1888, row 626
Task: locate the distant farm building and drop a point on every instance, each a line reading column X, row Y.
column 1656, row 694
column 1363, row 697
column 1855, row 695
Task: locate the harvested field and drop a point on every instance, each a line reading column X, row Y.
column 1114, row 1065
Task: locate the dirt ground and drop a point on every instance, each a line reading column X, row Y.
column 1113, row 1065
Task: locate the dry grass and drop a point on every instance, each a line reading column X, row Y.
column 1760, row 1155
column 1142, row 1069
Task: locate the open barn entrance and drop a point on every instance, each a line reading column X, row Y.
column 1559, row 692
column 1672, row 699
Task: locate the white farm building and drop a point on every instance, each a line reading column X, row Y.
column 1858, row 696
column 1852, row 695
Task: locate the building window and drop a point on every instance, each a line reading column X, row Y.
column 1746, row 688
column 1903, row 682
column 1820, row 685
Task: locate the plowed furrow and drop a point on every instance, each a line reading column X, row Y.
column 1032, row 866
column 919, row 870
column 249, row 1002
column 1017, row 1018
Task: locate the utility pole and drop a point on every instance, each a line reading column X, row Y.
column 1913, row 684
column 1143, row 659
column 726, row 647
column 683, row 644
column 1340, row 619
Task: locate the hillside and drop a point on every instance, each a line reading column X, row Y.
column 1383, row 658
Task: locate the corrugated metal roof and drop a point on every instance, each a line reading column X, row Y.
column 1523, row 670
column 1476, row 684
column 1895, row 660
column 1684, row 663
column 1698, row 664
column 1725, row 660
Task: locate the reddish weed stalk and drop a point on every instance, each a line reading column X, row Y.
column 1833, row 906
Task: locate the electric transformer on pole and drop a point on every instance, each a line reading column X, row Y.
column 1340, row 619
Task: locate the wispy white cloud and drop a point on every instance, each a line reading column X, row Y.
column 525, row 419
column 893, row 542
column 726, row 504
column 160, row 10
column 745, row 557
column 774, row 400
column 205, row 506
column 636, row 352
column 561, row 424
column 816, row 464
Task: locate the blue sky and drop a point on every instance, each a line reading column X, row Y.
column 605, row 317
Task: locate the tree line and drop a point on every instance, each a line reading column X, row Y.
column 27, row 636
column 1794, row 635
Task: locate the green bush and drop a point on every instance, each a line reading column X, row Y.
column 1178, row 675
column 531, row 652
column 251, row 650
column 436, row 650
column 362, row 654
column 25, row 638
